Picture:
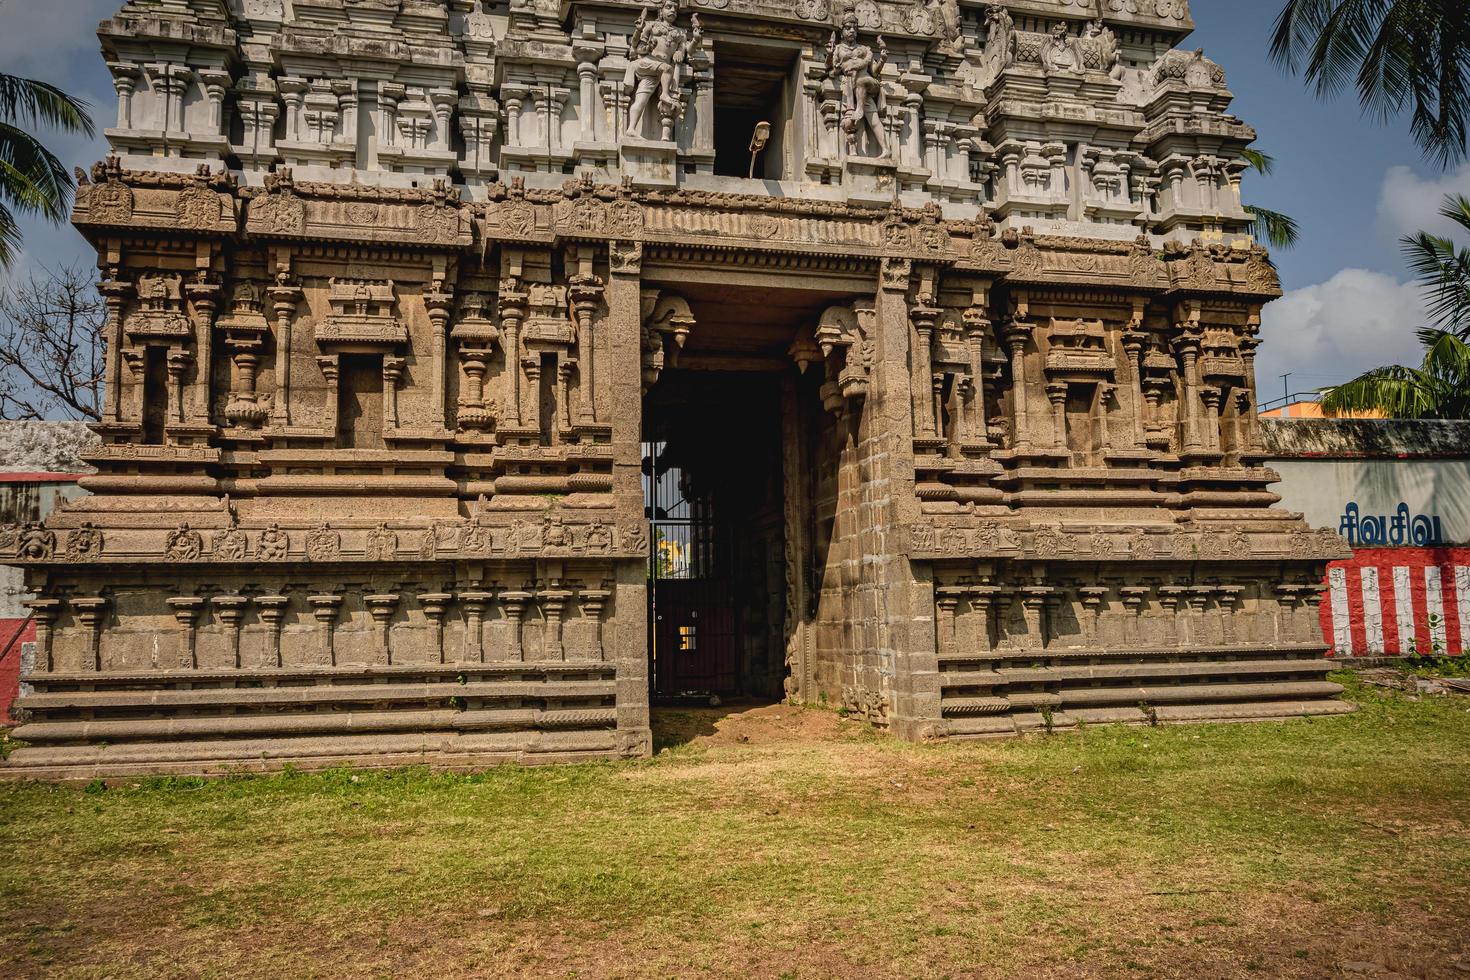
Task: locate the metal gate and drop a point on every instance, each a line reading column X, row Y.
column 692, row 627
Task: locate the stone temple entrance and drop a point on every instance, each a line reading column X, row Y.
column 714, row 497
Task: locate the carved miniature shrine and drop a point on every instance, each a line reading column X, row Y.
column 479, row 372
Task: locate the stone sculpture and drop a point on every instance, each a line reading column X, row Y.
column 859, row 71
column 661, row 49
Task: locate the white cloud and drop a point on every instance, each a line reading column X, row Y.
column 1335, row 330
column 1408, row 203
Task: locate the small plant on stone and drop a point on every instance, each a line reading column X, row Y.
column 1150, row 713
column 1048, row 717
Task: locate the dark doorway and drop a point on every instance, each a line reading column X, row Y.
column 753, row 84
column 712, row 487
column 360, row 402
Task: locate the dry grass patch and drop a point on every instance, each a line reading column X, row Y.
column 774, row 842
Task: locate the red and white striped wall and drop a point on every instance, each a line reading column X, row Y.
column 1397, row 601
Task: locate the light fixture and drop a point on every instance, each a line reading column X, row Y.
column 758, row 141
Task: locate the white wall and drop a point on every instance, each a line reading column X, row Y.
column 1322, row 489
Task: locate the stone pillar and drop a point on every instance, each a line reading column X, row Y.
column 924, row 319
column 435, row 605
column 977, row 326
column 325, row 608
column 438, row 304
column 1135, row 597
column 1133, row 345
column 512, row 315
column 44, row 613
column 1171, row 598
column 1187, row 348
column 1229, row 602
column 982, row 602
column 593, row 601
column 91, row 613
column 1199, row 598
column 586, row 296
column 1056, row 393
column 230, row 610
column 215, row 83
column 1093, row 598
column 531, row 407
column 115, row 293
column 205, row 297
column 473, row 602
column 178, row 367
column 284, row 299
column 947, row 600
column 1033, row 609
column 381, row 608
column 515, row 602
column 125, row 77
column 553, row 606
column 393, row 368
column 186, row 611
column 1017, row 333
column 1005, row 600
column 272, row 615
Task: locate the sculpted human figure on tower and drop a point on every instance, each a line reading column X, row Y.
column 660, row 48
column 1060, row 53
column 861, row 72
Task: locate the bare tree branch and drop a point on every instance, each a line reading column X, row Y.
column 52, row 351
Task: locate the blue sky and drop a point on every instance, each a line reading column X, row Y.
column 1354, row 185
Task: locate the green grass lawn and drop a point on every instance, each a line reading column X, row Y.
column 782, row 843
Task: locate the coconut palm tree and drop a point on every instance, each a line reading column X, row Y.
column 1267, row 225
column 1399, row 55
column 32, row 180
column 1439, row 388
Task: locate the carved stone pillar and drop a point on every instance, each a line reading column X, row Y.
column 1171, row 598
column 982, row 603
column 531, row 367
column 1199, row 599
column 435, row 605
column 1033, row 607
column 1187, row 348
column 91, row 613
column 593, row 602
column 515, row 602
column 1093, row 598
column 43, row 614
column 587, row 78
column 1134, row 599
column 1017, row 333
column 924, row 319
column 393, row 368
column 205, row 298
column 586, row 295
column 284, row 300
column 977, row 326
column 946, row 601
column 512, row 315
column 553, row 605
column 125, row 77
column 474, row 637
column 1312, row 599
column 381, row 608
column 1056, row 393
column 325, row 608
column 216, row 83
column 115, row 294
column 186, row 611
column 1005, row 599
column 230, row 610
column 438, row 303
column 1287, row 599
column 1229, row 602
column 272, row 614
column 178, row 367
column 1210, row 396
column 1133, row 345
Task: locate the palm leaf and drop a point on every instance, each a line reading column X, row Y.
column 1272, row 226
column 31, row 103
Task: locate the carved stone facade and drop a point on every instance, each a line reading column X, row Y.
column 393, row 283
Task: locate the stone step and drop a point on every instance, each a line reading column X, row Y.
column 272, row 676
column 1011, row 676
column 316, row 723
column 1067, row 654
column 174, row 699
column 1180, row 714
column 441, row 750
column 1181, row 694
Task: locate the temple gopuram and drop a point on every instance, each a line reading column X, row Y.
column 480, row 373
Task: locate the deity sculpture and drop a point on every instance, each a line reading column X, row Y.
column 1060, row 52
column 660, row 50
column 1000, row 37
column 863, row 100
column 947, row 18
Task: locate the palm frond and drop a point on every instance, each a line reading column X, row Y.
column 27, row 102
column 1278, row 229
column 1261, row 162
column 1395, row 391
column 32, row 179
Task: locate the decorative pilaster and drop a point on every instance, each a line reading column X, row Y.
column 977, row 327
column 115, row 294
column 91, row 613
column 284, row 300
column 553, row 606
column 325, row 609
column 230, row 611
column 205, row 298
column 924, row 318
column 1017, row 333
column 514, row 602
column 435, row 605
column 593, row 602
column 272, row 615
column 512, row 315
column 946, row 601
column 186, row 611
column 393, row 368
column 381, row 608
column 438, row 303
column 473, row 603
column 1093, row 598
column 1172, row 598
column 1033, row 609
column 44, row 613
column 1134, row 599
column 586, row 294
